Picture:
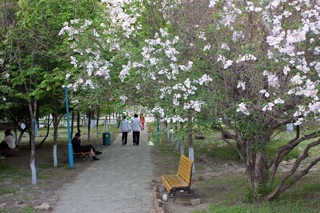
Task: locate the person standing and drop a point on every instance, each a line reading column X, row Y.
column 136, row 128
column 8, row 145
column 124, row 129
column 142, row 120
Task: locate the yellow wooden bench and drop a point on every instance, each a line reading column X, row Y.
column 181, row 180
column 83, row 155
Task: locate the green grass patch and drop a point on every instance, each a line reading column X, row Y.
column 274, row 207
column 28, row 210
column 6, row 189
column 274, row 145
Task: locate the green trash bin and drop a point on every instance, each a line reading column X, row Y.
column 106, row 138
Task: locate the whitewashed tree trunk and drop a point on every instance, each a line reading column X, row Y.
column 190, row 142
column 191, row 156
column 33, row 171
column 56, row 121
column 55, row 159
column 32, row 105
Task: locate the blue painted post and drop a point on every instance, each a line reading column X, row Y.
column 35, row 128
column 71, row 164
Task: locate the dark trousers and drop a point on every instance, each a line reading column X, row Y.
column 5, row 150
column 124, row 137
column 4, row 145
column 85, row 148
column 136, row 137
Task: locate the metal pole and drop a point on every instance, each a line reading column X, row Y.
column 69, row 132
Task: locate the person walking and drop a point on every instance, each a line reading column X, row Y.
column 124, row 129
column 142, row 120
column 136, row 128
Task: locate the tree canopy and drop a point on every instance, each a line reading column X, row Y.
column 254, row 65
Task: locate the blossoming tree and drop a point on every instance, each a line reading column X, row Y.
column 252, row 63
column 266, row 56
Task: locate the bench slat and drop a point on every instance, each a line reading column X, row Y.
column 166, row 183
column 173, row 181
column 176, row 181
column 185, row 168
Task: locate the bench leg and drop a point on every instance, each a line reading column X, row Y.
column 191, row 192
column 174, row 195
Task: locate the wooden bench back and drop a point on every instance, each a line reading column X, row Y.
column 185, row 168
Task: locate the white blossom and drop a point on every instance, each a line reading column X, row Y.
column 225, row 46
column 202, row 36
column 297, row 79
column 195, row 105
column 241, row 85
column 68, row 76
column 237, row 35
column 314, row 107
column 273, row 80
column 298, row 122
column 278, row 101
column 207, row 47
column 243, row 108
column 158, row 109
column 138, row 87
column 212, row 3
column 123, row 98
column 204, row 79
column 268, row 107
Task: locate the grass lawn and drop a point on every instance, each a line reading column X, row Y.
column 220, row 181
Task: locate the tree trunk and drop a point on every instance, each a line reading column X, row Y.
column 89, row 125
column 257, row 171
column 55, row 137
column 32, row 110
column 78, row 121
column 190, row 142
column 47, row 134
column 97, row 123
column 72, row 122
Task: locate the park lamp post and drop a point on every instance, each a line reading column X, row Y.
column 70, row 151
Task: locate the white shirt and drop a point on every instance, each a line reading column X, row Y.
column 136, row 125
column 124, row 126
column 11, row 141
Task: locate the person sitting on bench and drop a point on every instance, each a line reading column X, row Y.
column 8, row 145
column 77, row 147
